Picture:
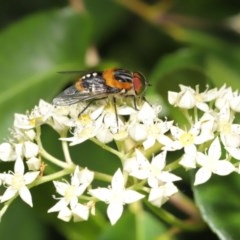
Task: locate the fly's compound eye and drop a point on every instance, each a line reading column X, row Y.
column 140, row 83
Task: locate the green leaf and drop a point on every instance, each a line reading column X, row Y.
column 218, row 201
column 105, row 25
column 224, row 71
column 21, row 223
column 32, row 52
column 140, row 226
column 182, row 67
column 186, row 67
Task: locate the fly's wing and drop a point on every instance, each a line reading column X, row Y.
column 92, row 88
column 68, row 97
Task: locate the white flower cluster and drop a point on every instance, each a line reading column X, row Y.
column 209, row 141
column 212, row 141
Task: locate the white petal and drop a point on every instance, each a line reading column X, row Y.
column 156, row 196
column 176, row 132
column 75, row 177
column 22, row 121
column 214, row 151
column 202, row 106
column 30, row 149
column 7, row 152
column 202, row 175
column 26, row 195
column 231, row 139
column 61, row 204
column 131, row 196
column 80, row 212
column 138, row 167
column 8, row 194
column 146, row 113
column 102, row 194
column 153, row 181
column 168, row 177
column 234, row 152
column 138, row 132
column 169, row 144
column 172, row 97
column 118, row 180
column 188, row 161
column 61, row 187
column 201, row 159
column 160, row 160
column 170, row 189
column 187, row 100
column 224, row 168
column 149, row 142
column 65, row 214
column 104, row 136
column 85, row 176
column 19, row 166
column 29, row 177
column 34, row 164
column 114, row 212
column 7, row 178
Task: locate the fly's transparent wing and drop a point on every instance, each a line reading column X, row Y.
column 92, row 88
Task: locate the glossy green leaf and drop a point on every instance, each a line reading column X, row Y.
column 32, row 52
column 218, row 201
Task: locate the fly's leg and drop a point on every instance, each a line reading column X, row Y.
column 86, row 107
column 115, row 110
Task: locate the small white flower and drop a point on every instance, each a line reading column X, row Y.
column 141, row 125
column 30, row 149
column 184, row 99
column 78, row 212
column 116, row 196
column 211, row 163
column 234, row 152
column 186, row 139
column 160, row 194
column 155, row 132
column 147, row 114
column 235, row 103
column 23, row 121
column 225, row 95
column 188, row 98
column 85, row 128
column 138, row 132
column 33, row 164
column 68, row 205
column 17, row 183
column 22, row 135
column 229, row 132
column 141, row 168
column 7, row 152
column 57, row 117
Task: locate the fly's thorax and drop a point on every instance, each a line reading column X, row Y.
column 118, row 78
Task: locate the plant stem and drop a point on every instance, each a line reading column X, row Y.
column 188, row 225
column 66, row 153
column 53, row 176
column 52, row 159
column 107, row 148
column 45, row 154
